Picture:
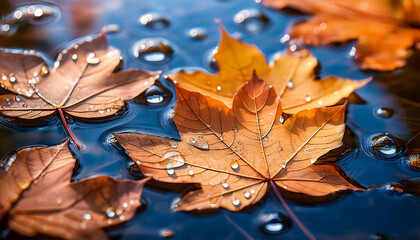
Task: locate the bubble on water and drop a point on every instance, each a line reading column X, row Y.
column 386, row 145
column 154, row 20
column 197, row 33
column 153, row 50
column 156, row 95
column 236, row 202
column 253, row 20
column 384, row 112
column 234, row 165
column 274, row 223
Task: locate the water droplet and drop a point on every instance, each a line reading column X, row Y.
column 285, row 38
column 191, row 172
column 154, row 20
column 281, row 119
column 219, row 88
column 59, row 200
column 33, row 14
column 308, row 98
column 253, row 20
column 92, row 59
column 202, row 146
column 247, row 195
column 384, row 112
column 166, row 233
column 192, row 140
column 12, row 78
column 386, row 145
column 4, row 77
column 290, row 85
column 209, row 59
column 74, row 57
column 234, row 165
column 138, row 162
column 352, row 52
column 172, row 159
column 170, row 170
column 313, row 161
column 17, row 98
column 174, row 144
column 197, row 33
column 87, row 216
column 225, row 185
column 266, row 138
column 101, row 111
column 110, row 212
column 153, row 50
column 44, row 71
column 235, row 129
column 236, row 202
column 252, row 191
column 275, row 223
column 280, row 149
column 111, row 28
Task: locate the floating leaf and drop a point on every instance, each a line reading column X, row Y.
column 247, row 146
column 39, row 197
column 292, row 75
column 385, row 30
column 81, row 84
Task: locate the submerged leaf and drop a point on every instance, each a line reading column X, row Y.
column 292, row 75
column 246, row 147
column 82, row 82
column 40, row 198
column 385, row 30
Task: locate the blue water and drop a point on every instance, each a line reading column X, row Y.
column 357, row 215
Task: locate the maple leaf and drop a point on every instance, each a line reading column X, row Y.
column 81, row 83
column 234, row 153
column 292, row 75
column 39, row 197
column 385, row 30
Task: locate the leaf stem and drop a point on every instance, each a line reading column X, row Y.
column 66, row 127
column 291, row 213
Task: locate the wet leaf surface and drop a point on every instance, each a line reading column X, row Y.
column 233, row 153
column 81, row 83
column 292, row 75
column 385, row 30
column 39, row 197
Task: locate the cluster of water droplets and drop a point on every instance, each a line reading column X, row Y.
column 34, row 14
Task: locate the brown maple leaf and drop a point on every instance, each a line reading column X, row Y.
column 81, row 83
column 292, row 75
column 385, row 30
column 39, row 197
column 234, row 153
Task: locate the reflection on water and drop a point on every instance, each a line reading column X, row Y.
column 165, row 35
